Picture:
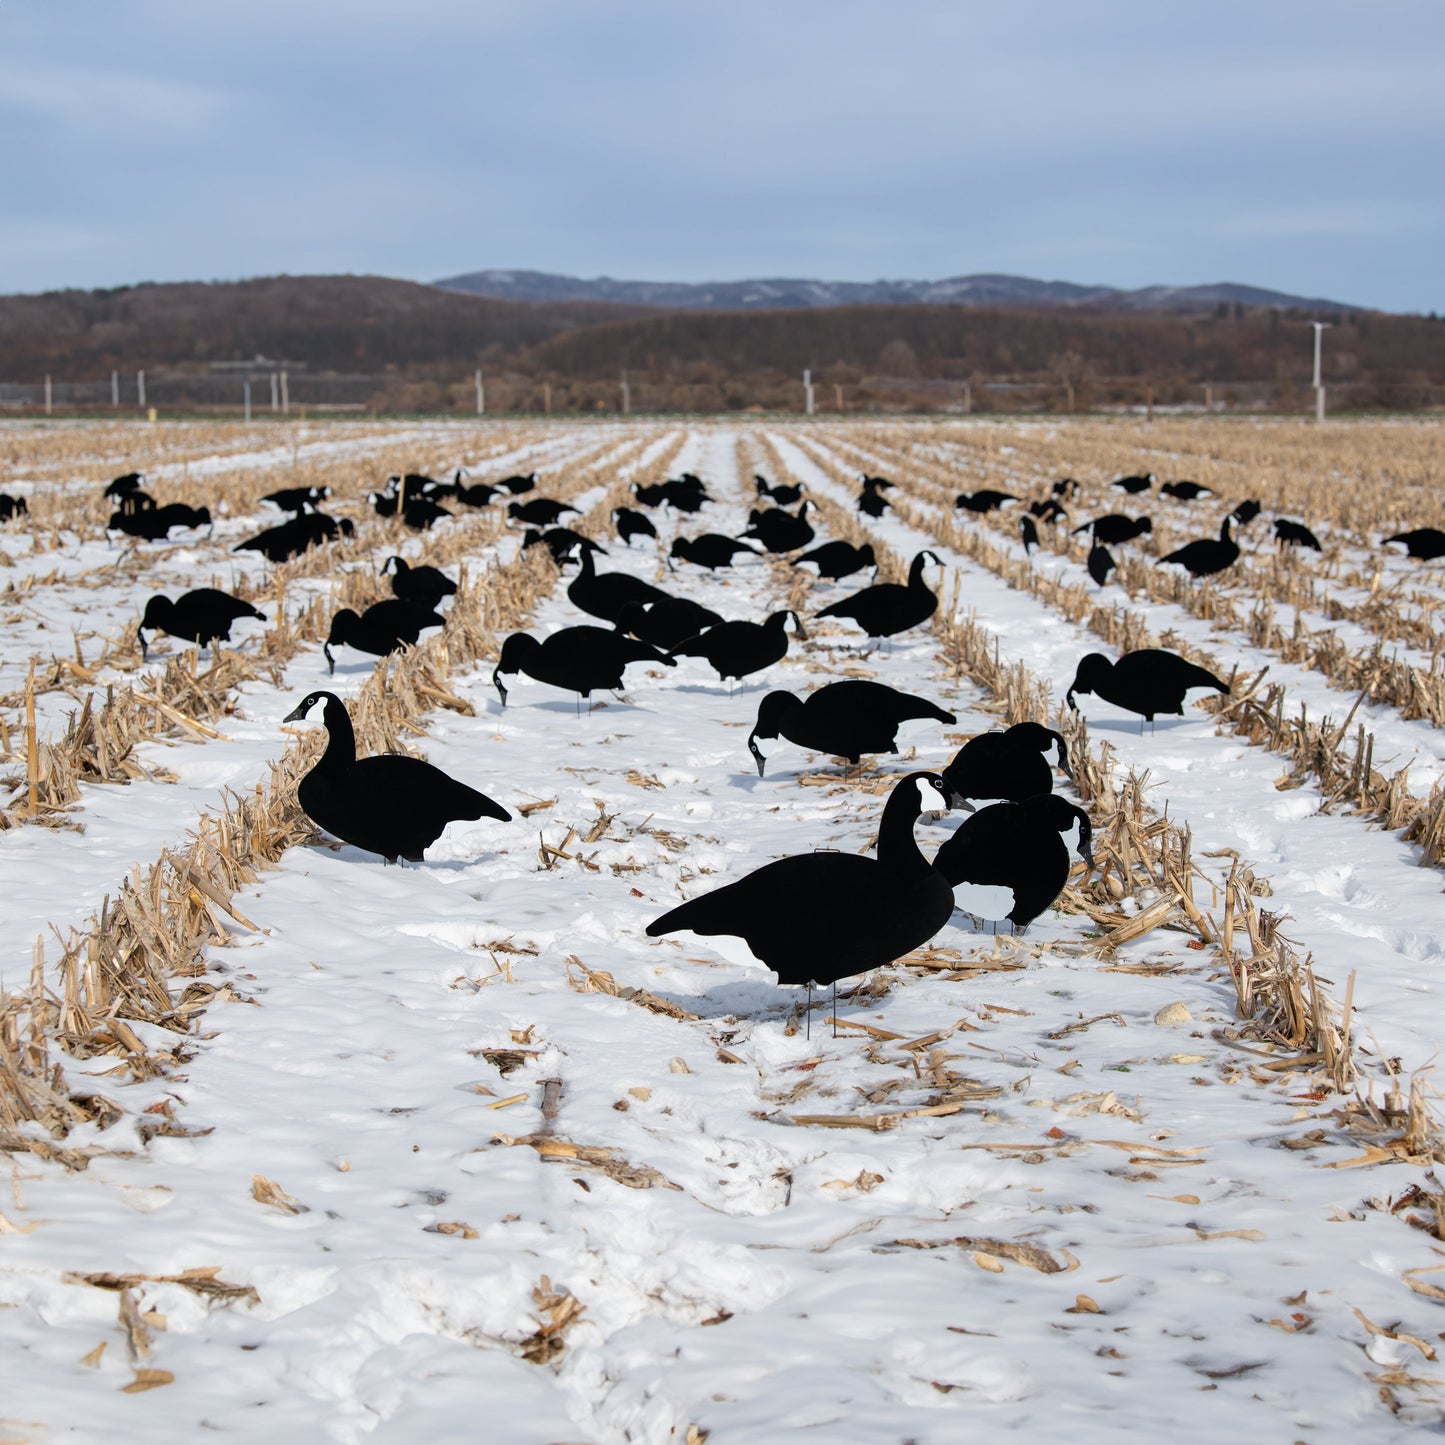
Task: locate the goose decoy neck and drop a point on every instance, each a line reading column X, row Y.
column 1056, row 740
column 340, row 736
column 897, row 848
column 915, row 572
column 394, row 564
column 772, row 711
column 780, row 621
column 1092, row 670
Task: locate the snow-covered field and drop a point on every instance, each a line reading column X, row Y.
column 464, row 1155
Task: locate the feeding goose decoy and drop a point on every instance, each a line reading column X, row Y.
column 649, row 494
column 298, row 499
column 1205, row 556
column 873, row 504
column 1146, row 682
column 540, row 512
column 1424, row 543
column 1101, row 562
column 1136, row 484
column 1295, row 534
column 984, row 500
column 1116, row 528
column 389, row 804
column 290, row 539
column 781, row 531
column 384, row 627
column 842, row 719
column 1048, row 511
column 1185, row 491
column 517, row 484
column 1028, row 533
column 419, row 513
column 1011, row 765
column 631, row 523
column 685, row 493
column 711, row 550
column 581, row 659
column 819, row 917
column 1246, row 512
column 1064, row 487
column 605, row 594
column 839, row 559
column 1011, row 860
column 738, row 649
column 888, row 608
column 153, row 524
column 11, row 507
column 425, row 586
column 202, row 616
column 561, row 542
column 668, row 621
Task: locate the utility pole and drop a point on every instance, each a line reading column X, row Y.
column 481, row 395
column 1320, row 328
column 626, row 395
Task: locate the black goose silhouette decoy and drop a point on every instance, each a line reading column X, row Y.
column 581, row 659
column 842, row 719
column 122, row 485
column 13, row 507
column 517, row 484
column 873, row 504
column 787, row 494
column 540, row 511
column 737, row 649
column 1246, row 512
column 711, row 550
column 1101, row 563
column 839, row 559
column 1295, row 534
column 1134, row 485
column 476, row 494
column 1011, row 860
column 666, row 622
column 889, row 608
column 631, row 523
column 1028, row 533
column 1146, row 682
column 390, row 804
column 1205, row 556
column 1116, row 528
column 1424, row 543
column 426, row 586
column 685, row 493
column 984, row 500
column 203, row 616
column 650, row 494
column 154, row 524
column 298, row 499
column 818, row 917
column 419, row 513
column 561, row 542
column 1048, row 511
column 1012, row 764
column 874, row 484
column 605, row 594
column 384, row 627
column 1185, row 491
column 1065, row 487
column 781, row 531
column 290, row 539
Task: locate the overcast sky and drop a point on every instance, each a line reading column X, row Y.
column 1298, row 146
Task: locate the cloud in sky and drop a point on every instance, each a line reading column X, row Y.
column 1288, row 145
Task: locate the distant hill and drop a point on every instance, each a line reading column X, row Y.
column 791, row 294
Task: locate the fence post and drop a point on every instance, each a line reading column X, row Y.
column 481, row 395
column 115, row 388
column 285, row 396
column 47, row 393
column 808, row 392
column 140, row 389
column 275, row 392
column 626, row 394
column 247, row 386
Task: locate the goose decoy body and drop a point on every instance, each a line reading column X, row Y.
column 384, row 627
column 297, row 499
column 1048, row 511
column 650, row 494
column 1295, row 534
column 737, row 649
column 561, row 542
column 13, row 507
column 1205, row 556
column 1011, row 860
column 631, row 523
column 517, row 484
column 1116, row 528
column 1146, row 682
column 839, row 559
column 668, row 621
column 390, row 804
column 984, row 500
column 540, row 511
column 1424, row 543
column 1101, row 563
column 889, row 608
column 476, row 494
column 787, row 494
column 1012, row 764
column 1136, row 484
column 781, row 531
column 126, row 482
column 819, row 917
column 1028, row 533
column 154, row 524
column 685, row 493
column 419, row 513
column 1185, row 491
column 711, row 550
column 1246, row 512
column 290, row 539
column 875, row 484
column 605, row 594
column 873, row 504
column 203, row 616
column 581, row 659
column 1065, row 487
column 425, row 586
column 842, row 719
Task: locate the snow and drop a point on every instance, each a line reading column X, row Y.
column 774, row 1280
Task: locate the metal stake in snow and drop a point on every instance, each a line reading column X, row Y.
column 626, row 394
column 1320, row 328
column 140, row 389
column 481, row 395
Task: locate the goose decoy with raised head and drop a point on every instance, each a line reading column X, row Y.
column 1205, row 556
column 1425, row 543
column 1011, row 860
column 1185, row 491
column 605, row 594
column 889, row 608
column 711, row 550
column 631, row 523
column 384, row 627
column 122, row 485
column 425, row 586
column 839, row 559
column 819, row 917
column 1012, row 764
column 13, row 507
column 738, row 649
column 1246, row 512
column 1146, row 682
column 984, row 500
column 1295, row 534
column 203, row 616
column 842, row 719
column 581, row 659
column 390, row 804
column 1134, row 485
column 781, row 531
column 540, row 511
column 666, row 622
column 1116, row 528
column 1101, row 563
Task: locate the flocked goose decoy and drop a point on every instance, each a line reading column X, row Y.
column 1205, row 556
column 1146, row 682
column 711, row 550
column 668, row 621
column 889, row 608
column 605, row 594
column 737, row 649
column 203, row 616
column 1424, row 543
column 120, row 486
column 1028, row 533
column 424, row 585
column 781, row 531
column 631, row 523
column 384, row 627
column 1295, row 534
column 1011, row 765
column 843, row 719
column 1010, row 861
column 391, row 804
column 819, row 917
column 517, row 484
column 582, row 659
column 872, row 504
column 839, row 559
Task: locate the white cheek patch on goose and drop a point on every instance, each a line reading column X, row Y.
column 1071, row 836
column 989, row 901
column 930, row 800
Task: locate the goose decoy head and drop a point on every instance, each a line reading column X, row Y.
column 780, row 619
column 1092, row 670
column 515, row 651
column 1037, row 735
column 1069, row 818
column 394, row 564
column 769, row 723
column 343, row 627
column 301, row 709
column 933, row 792
column 865, row 555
